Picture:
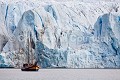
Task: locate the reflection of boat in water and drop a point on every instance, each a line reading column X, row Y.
column 30, row 66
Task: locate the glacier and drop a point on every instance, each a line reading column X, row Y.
column 70, row 34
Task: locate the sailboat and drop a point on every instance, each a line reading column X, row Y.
column 30, row 66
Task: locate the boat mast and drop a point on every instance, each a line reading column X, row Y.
column 28, row 46
column 31, row 48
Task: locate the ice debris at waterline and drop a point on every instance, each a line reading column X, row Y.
column 64, row 34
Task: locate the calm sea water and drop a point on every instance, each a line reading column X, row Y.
column 61, row 74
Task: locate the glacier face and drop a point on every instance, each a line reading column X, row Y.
column 64, row 34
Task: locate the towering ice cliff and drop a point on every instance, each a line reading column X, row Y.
column 64, row 34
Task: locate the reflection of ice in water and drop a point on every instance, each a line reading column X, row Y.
column 60, row 74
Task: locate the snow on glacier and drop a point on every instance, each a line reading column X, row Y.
column 64, row 34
